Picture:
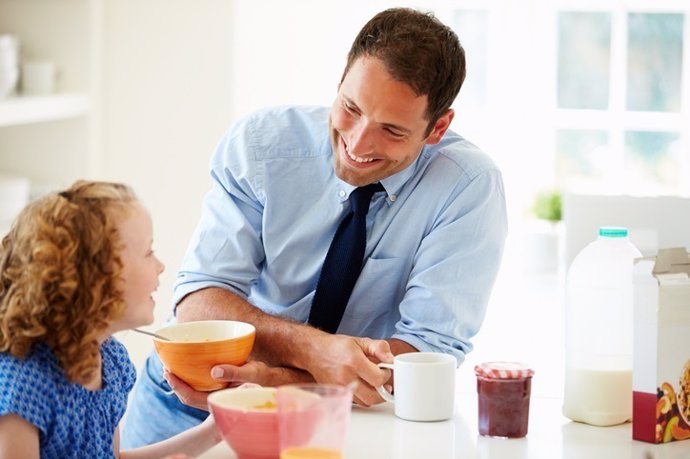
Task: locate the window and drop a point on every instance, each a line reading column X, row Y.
column 474, row 27
column 622, row 126
column 590, row 96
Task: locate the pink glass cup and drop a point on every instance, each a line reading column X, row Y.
column 312, row 420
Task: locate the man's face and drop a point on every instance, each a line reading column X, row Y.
column 377, row 124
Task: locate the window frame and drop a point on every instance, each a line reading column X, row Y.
column 616, row 120
column 533, row 28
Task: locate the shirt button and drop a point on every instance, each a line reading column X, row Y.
column 392, row 197
column 342, row 194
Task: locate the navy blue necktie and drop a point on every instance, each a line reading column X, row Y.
column 343, row 263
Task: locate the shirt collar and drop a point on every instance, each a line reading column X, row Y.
column 395, row 182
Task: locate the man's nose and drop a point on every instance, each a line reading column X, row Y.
column 361, row 140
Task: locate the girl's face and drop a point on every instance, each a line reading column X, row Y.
column 140, row 269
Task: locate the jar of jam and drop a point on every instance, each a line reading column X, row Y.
column 503, row 390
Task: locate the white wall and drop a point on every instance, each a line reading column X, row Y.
column 295, row 54
column 166, row 101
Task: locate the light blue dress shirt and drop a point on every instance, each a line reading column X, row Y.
column 434, row 238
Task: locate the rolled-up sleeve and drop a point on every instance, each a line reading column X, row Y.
column 455, row 268
column 226, row 249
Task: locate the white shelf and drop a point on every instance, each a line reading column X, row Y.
column 34, row 109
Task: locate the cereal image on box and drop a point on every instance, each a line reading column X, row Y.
column 661, row 347
column 684, row 394
column 671, row 422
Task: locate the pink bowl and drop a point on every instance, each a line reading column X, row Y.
column 248, row 420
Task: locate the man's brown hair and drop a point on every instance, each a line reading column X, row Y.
column 417, row 49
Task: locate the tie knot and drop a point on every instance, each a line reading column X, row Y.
column 361, row 197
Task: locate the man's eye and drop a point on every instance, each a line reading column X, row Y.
column 395, row 134
column 350, row 109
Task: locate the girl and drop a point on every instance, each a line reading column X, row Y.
column 76, row 267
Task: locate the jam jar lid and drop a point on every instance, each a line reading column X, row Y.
column 503, row 370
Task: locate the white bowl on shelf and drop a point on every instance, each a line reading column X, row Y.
column 8, row 81
column 9, row 64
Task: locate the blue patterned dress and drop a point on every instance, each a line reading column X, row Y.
column 73, row 422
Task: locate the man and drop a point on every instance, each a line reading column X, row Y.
column 282, row 180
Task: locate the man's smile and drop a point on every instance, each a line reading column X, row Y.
column 354, row 158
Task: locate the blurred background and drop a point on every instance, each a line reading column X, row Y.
column 586, row 97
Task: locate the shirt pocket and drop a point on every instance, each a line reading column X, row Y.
column 379, row 289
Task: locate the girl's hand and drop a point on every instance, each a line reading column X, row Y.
column 210, row 431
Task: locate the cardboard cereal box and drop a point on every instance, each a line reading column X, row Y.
column 661, row 347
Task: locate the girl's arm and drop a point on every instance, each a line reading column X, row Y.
column 192, row 442
column 18, row 438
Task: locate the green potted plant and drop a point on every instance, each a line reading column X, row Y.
column 548, row 206
column 542, row 244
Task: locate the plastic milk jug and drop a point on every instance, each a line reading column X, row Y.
column 599, row 329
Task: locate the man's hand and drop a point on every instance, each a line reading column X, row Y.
column 345, row 360
column 258, row 372
column 185, row 392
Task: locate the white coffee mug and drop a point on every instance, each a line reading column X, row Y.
column 423, row 384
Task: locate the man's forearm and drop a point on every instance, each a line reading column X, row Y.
column 278, row 341
column 399, row 346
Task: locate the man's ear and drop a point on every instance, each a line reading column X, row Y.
column 440, row 128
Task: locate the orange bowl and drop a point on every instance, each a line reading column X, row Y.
column 247, row 418
column 196, row 347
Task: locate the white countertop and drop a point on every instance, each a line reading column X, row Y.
column 523, row 323
column 377, row 433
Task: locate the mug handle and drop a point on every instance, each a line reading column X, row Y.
column 387, row 396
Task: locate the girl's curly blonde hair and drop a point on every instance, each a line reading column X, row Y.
column 60, row 274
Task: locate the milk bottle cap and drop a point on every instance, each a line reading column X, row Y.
column 613, row 231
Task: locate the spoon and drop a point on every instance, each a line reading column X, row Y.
column 162, row 338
